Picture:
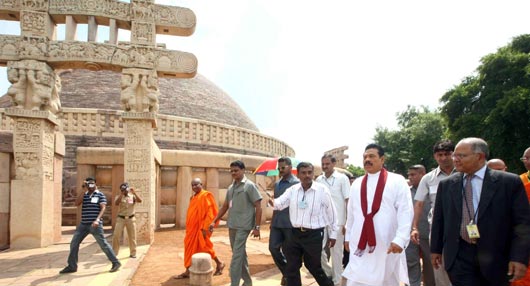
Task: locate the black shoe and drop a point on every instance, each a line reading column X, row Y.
column 115, row 267
column 132, row 256
column 67, row 269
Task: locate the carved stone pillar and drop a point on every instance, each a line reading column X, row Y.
column 71, row 28
column 184, row 191
column 140, row 169
column 113, row 32
column 212, row 183
column 33, row 189
column 35, row 94
column 139, row 96
column 92, row 29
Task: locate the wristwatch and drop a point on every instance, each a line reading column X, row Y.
column 256, row 227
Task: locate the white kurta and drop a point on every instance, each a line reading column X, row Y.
column 392, row 224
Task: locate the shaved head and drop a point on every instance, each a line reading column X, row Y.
column 497, row 164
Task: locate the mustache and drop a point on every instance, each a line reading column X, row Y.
column 368, row 163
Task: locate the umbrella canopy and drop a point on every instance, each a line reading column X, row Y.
column 269, row 167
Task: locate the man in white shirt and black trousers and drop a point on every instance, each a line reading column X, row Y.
column 311, row 209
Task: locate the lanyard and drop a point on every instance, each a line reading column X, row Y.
column 332, row 182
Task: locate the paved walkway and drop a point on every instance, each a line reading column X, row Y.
column 41, row 266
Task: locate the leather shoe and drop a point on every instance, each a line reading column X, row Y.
column 132, row 256
column 284, row 281
column 67, row 269
column 115, row 267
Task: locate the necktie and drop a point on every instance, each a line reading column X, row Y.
column 467, row 209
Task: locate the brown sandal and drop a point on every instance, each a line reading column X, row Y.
column 182, row 276
column 219, row 270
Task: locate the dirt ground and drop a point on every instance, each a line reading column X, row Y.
column 164, row 259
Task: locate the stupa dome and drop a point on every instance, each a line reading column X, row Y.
column 196, row 98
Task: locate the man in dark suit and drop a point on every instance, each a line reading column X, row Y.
column 481, row 221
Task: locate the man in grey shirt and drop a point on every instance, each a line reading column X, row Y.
column 243, row 203
column 442, row 152
column 416, row 270
column 281, row 228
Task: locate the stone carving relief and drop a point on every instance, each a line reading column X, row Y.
column 13, row 4
column 140, row 185
column 8, row 46
column 106, row 8
column 176, row 61
column 87, row 51
column 33, row 23
column 137, row 161
column 142, row 220
column 135, row 135
column 41, row 5
column 35, row 86
column 47, row 161
column 27, row 135
column 174, row 16
column 143, row 33
column 139, row 90
column 26, row 165
column 142, row 11
column 34, row 48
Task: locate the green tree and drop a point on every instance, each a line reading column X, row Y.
column 419, row 129
column 494, row 103
column 355, row 170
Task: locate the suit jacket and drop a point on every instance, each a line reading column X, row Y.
column 503, row 222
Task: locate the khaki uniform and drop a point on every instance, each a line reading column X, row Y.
column 126, row 219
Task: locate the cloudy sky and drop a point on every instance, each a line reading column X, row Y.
column 323, row 74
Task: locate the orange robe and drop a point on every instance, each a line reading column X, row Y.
column 201, row 212
column 525, row 281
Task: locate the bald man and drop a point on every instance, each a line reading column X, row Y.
column 497, row 164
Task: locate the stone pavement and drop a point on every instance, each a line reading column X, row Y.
column 273, row 276
column 41, row 266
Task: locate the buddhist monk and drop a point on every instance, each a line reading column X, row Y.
column 201, row 212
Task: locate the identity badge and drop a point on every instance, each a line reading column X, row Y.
column 472, row 231
column 94, row 200
column 302, row 204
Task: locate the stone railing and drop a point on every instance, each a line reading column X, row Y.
column 108, row 123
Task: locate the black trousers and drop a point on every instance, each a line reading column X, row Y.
column 306, row 245
column 277, row 239
column 466, row 268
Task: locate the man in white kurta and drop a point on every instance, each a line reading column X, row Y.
column 383, row 263
column 339, row 187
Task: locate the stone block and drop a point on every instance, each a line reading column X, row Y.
column 5, row 161
column 60, row 144
column 4, row 230
column 4, row 197
column 201, row 269
column 167, row 214
column 37, row 214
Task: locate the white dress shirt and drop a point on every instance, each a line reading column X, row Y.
column 339, row 187
column 319, row 210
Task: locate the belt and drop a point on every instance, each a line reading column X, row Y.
column 303, row 229
column 124, row 217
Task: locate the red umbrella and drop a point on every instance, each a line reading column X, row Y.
column 269, row 167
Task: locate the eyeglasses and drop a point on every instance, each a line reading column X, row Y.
column 524, row 159
column 281, row 168
column 461, row 156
